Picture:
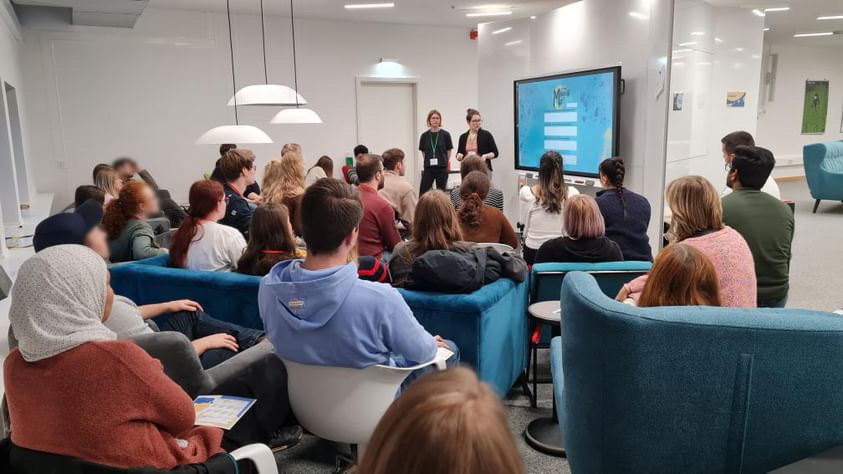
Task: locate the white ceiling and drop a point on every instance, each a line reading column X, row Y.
column 422, row 12
column 802, row 18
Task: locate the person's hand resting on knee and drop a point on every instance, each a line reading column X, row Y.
column 215, row 341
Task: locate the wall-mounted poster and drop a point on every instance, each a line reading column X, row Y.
column 815, row 109
column 678, row 100
column 736, row 99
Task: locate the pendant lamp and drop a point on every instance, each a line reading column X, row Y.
column 298, row 114
column 266, row 93
column 233, row 133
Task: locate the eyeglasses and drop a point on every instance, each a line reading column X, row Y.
column 226, row 199
column 476, row 121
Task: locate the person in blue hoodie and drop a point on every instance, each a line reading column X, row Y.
column 317, row 311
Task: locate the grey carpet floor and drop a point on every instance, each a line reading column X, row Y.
column 816, row 278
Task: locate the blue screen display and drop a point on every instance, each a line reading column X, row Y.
column 571, row 114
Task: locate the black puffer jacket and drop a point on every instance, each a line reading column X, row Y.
column 445, row 271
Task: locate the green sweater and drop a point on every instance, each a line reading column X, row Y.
column 136, row 242
column 767, row 225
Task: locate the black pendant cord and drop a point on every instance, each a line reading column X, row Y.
column 263, row 38
column 295, row 69
column 231, row 48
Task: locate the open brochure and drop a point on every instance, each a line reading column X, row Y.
column 221, row 411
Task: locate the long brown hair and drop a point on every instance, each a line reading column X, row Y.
column 445, row 422
column 695, row 205
column 125, row 207
column 552, row 189
column 283, row 178
column 435, row 225
column 681, row 276
column 270, row 240
column 473, row 191
column 204, row 198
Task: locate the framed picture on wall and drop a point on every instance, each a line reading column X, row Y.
column 678, row 100
column 815, row 108
column 736, row 99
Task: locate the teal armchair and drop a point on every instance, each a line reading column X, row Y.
column 824, row 171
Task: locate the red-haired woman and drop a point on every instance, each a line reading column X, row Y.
column 130, row 237
column 681, row 276
column 201, row 243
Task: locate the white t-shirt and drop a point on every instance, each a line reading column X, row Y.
column 771, row 187
column 541, row 225
column 313, row 175
column 216, row 248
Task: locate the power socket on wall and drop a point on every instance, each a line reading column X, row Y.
column 61, row 165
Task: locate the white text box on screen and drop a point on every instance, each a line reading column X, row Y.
column 567, row 145
column 560, row 131
column 560, row 117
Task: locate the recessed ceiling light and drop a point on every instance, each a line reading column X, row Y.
column 502, row 30
column 777, row 9
column 689, row 43
column 718, row 40
column 501, row 13
column 363, row 6
column 639, row 16
column 513, row 43
column 698, row 33
column 808, row 35
column 766, row 28
column 830, row 17
column 758, row 12
column 533, row 17
column 740, row 50
column 681, row 50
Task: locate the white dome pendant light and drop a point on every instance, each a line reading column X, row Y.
column 298, row 114
column 233, row 133
column 266, row 93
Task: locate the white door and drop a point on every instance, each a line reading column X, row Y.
column 386, row 114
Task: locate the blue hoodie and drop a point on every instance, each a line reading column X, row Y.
column 331, row 317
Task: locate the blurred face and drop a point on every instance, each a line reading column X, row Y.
column 727, row 157
column 474, row 123
column 379, row 177
column 435, row 121
column 96, row 241
column 249, row 174
column 399, row 168
column 604, row 181
column 118, row 185
column 732, row 179
column 150, row 205
column 219, row 213
column 109, row 298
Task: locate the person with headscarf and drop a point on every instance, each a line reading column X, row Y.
column 74, row 390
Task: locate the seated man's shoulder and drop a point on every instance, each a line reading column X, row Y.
column 365, row 289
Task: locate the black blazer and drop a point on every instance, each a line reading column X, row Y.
column 485, row 144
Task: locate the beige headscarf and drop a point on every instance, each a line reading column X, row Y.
column 58, row 300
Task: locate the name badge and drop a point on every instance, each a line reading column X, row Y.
column 434, row 162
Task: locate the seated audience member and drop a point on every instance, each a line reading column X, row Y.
column 434, row 258
column 397, row 190
column 127, row 169
column 238, row 170
column 283, row 183
column 97, row 169
column 130, row 237
column 698, row 221
column 126, row 412
column 110, row 183
column 252, row 193
column 377, row 229
column 292, row 148
column 317, row 311
column 470, row 163
column 585, row 236
column 215, row 341
column 86, row 192
column 479, row 222
column 202, row 243
column 324, row 168
column 451, row 422
column 730, row 144
column 681, row 276
column 626, row 214
column 270, row 240
column 349, row 172
column 373, row 269
column 765, row 222
column 545, row 219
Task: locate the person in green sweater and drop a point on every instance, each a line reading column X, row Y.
column 765, row 222
column 130, row 237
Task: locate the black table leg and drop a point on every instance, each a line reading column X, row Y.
column 544, row 435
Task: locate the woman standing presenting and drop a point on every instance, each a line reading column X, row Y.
column 476, row 140
column 436, row 146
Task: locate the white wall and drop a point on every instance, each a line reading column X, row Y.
column 584, row 35
column 780, row 123
column 149, row 92
column 705, row 72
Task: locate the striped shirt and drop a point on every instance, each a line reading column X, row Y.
column 494, row 199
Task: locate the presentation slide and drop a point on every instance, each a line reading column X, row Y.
column 573, row 114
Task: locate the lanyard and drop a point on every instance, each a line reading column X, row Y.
column 434, row 143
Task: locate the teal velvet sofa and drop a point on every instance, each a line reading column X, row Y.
column 489, row 326
column 824, row 171
column 693, row 389
column 231, row 297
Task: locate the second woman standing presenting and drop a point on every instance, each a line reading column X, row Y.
column 477, row 140
column 436, row 146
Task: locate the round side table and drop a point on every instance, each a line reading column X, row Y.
column 543, row 434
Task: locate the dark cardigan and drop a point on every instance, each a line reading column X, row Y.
column 628, row 230
column 485, row 144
